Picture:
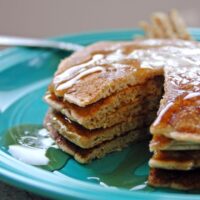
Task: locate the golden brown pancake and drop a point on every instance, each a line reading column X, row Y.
column 104, row 113
column 105, row 68
column 86, row 155
column 160, row 142
column 179, row 114
column 108, row 119
column 177, row 179
column 177, row 127
column 176, row 160
column 85, row 138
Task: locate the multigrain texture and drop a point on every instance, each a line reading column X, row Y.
column 85, row 138
column 87, row 155
column 117, row 108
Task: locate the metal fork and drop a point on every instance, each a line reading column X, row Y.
column 39, row 43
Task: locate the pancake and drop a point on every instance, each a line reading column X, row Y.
column 176, row 160
column 108, row 119
column 125, row 102
column 179, row 114
column 105, row 68
column 160, row 142
column 85, row 138
column 177, row 179
column 87, row 155
column 177, row 127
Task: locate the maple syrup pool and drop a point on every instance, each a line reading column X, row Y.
column 32, row 144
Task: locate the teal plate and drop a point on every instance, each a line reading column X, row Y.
column 24, row 76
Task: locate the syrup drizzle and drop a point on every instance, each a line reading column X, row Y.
column 182, row 100
column 80, row 75
column 76, row 70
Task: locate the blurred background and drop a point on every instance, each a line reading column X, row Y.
column 42, row 18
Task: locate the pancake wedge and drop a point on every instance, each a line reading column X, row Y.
column 116, row 108
column 87, row 155
column 85, row 138
column 179, row 113
column 176, row 130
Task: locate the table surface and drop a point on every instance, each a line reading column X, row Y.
column 64, row 17
column 8, row 192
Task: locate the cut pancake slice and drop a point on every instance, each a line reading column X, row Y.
column 120, row 105
column 86, row 155
column 101, row 70
column 175, row 160
column 129, row 95
column 179, row 114
column 85, row 138
column 176, row 130
column 105, row 120
column 177, row 179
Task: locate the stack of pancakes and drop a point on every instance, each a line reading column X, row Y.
column 176, row 130
column 98, row 103
column 107, row 95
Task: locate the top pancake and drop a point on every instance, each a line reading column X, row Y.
column 179, row 113
column 108, row 67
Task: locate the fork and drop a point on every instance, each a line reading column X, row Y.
column 39, row 43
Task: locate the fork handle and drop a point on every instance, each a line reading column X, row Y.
column 39, row 43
